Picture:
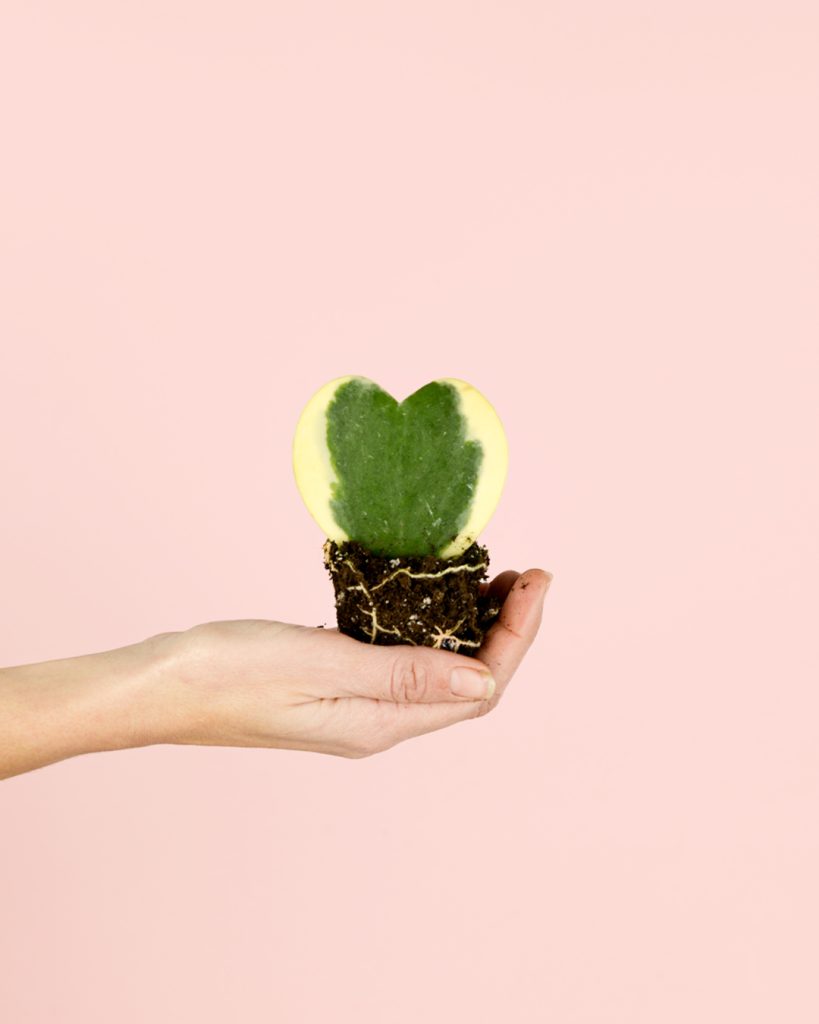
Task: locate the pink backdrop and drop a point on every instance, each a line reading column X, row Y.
column 603, row 215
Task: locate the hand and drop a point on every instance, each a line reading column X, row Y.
column 261, row 684
column 271, row 684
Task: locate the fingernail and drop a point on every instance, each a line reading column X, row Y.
column 469, row 682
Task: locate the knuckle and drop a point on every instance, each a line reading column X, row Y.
column 409, row 680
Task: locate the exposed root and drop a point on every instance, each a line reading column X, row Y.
column 423, row 600
column 449, row 641
column 431, row 575
column 375, row 627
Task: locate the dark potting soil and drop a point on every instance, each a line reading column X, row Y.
column 412, row 600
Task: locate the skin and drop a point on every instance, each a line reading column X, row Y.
column 259, row 683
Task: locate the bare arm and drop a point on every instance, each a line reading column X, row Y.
column 57, row 709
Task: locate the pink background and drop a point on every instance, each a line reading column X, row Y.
column 603, row 215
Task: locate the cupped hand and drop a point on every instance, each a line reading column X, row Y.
column 260, row 683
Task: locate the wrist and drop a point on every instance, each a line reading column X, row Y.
column 166, row 702
column 138, row 696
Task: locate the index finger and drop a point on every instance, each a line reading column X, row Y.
column 511, row 635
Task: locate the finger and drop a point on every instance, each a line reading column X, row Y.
column 500, row 585
column 510, row 637
column 414, row 675
column 340, row 666
column 325, row 663
column 505, row 645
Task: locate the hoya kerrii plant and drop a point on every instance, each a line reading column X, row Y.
column 401, row 491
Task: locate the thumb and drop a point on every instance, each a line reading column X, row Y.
column 419, row 675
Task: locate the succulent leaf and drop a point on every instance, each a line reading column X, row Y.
column 417, row 477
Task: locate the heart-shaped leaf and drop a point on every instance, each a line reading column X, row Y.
column 417, row 477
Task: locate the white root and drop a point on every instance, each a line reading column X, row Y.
column 440, row 636
column 430, row 575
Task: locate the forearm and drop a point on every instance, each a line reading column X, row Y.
column 58, row 709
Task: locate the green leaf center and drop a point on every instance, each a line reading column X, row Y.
column 406, row 474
